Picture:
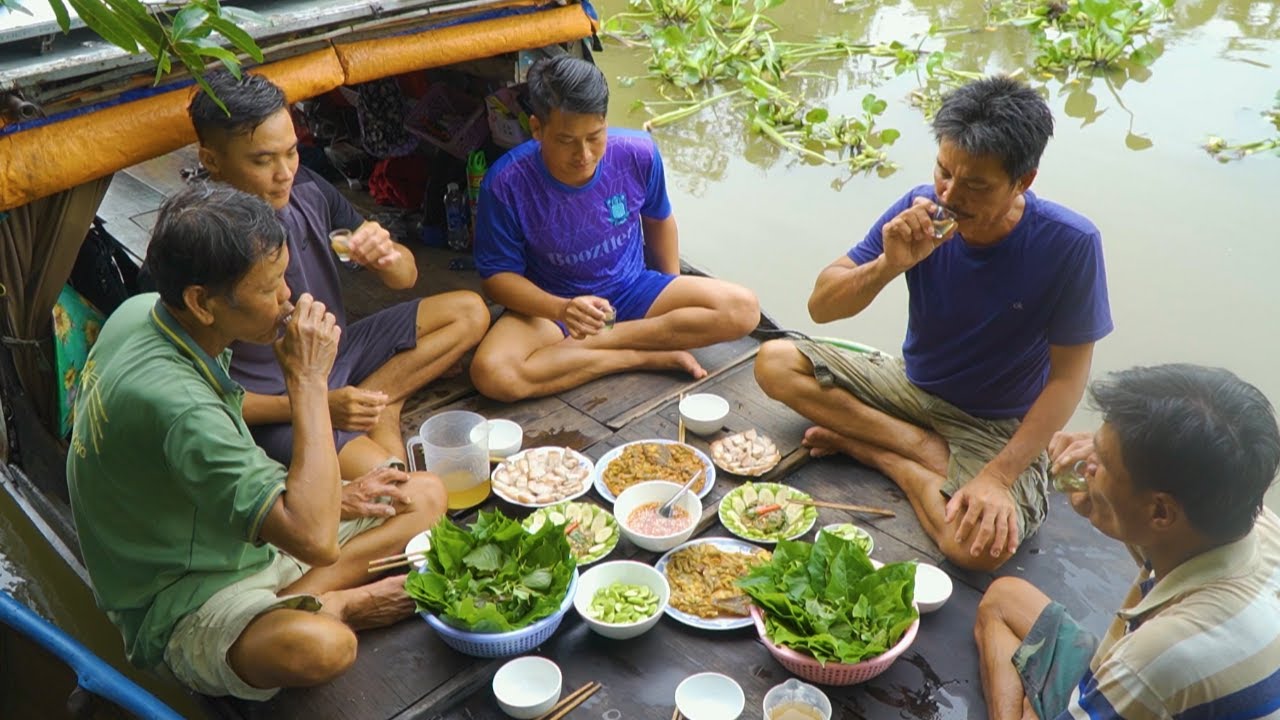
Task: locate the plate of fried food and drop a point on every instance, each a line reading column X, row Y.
column 645, row 460
column 703, row 576
column 750, row 454
column 542, row 476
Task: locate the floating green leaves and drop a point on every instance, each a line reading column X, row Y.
column 710, row 51
column 1223, row 151
column 1086, row 34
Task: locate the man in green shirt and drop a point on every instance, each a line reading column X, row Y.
column 215, row 562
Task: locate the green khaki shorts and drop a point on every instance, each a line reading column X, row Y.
column 1052, row 660
column 197, row 651
column 880, row 382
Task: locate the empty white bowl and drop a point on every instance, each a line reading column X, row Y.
column 419, row 543
column 658, row 491
column 506, row 437
column 629, row 573
column 710, row 696
column 704, row 413
column 933, row 587
column 527, row 686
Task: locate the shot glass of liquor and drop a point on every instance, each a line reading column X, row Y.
column 340, row 241
column 610, row 317
column 944, row 221
column 1072, row 479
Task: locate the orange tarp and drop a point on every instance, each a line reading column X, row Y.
column 45, row 160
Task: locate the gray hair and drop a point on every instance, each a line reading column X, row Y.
column 997, row 116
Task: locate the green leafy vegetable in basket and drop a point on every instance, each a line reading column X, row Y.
column 826, row 600
column 494, row 576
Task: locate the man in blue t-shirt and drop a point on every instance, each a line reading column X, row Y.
column 574, row 232
column 382, row 358
column 1007, row 297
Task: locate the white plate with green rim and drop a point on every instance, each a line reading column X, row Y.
column 726, row 622
column 785, row 521
column 594, row 537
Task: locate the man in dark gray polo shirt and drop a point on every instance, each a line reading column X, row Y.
column 383, row 358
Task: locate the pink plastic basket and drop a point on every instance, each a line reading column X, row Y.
column 833, row 673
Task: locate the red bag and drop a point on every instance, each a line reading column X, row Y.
column 399, row 182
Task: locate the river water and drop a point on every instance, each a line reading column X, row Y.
column 1191, row 245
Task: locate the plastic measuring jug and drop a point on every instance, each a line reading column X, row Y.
column 455, row 446
column 795, row 700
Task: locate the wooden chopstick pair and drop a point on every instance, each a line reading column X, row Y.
column 680, row 421
column 845, row 506
column 394, row 561
column 573, row 700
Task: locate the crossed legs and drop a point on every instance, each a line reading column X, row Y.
column 524, row 357
column 913, row 457
column 295, row 648
column 1006, row 614
column 448, row 326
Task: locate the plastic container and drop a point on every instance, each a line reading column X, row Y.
column 455, row 218
column 455, row 446
column 516, row 642
column 449, row 119
column 806, row 667
column 794, row 691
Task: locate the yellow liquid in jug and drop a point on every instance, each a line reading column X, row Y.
column 795, row 711
column 463, row 490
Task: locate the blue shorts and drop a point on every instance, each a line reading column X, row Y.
column 634, row 301
column 365, row 346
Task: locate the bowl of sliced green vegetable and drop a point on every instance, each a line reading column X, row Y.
column 622, row 599
column 767, row 512
column 494, row 589
column 591, row 530
column 852, row 533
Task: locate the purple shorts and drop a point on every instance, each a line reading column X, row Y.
column 634, row 301
column 365, row 346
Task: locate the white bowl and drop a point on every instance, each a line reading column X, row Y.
column 629, row 573
column 710, row 696
column 505, row 438
column 704, row 413
column 658, row 491
column 527, row 687
column 419, row 543
column 850, row 529
column 933, row 587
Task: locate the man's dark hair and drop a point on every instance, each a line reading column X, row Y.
column 567, row 84
column 1200, row 434
column 250, row 101
column 997, row 116
column 210, row 234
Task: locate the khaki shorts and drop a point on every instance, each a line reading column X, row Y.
column 881, row 382
column 197, row 651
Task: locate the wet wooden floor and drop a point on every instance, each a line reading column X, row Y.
column 406, row 672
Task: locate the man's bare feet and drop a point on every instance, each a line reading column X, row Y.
column 684, row 360
column 823, row 442
column 377, row 604
column 452, row 371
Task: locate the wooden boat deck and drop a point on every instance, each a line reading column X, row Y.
column 405, row 671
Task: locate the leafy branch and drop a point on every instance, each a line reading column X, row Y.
column 192, row 34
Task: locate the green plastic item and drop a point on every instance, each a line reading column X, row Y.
column 477, row 166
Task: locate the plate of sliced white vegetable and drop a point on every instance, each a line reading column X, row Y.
column 590, row 529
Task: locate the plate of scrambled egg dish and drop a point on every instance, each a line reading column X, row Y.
column 703, row 574
column 644, row 460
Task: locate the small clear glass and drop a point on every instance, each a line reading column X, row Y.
column 1072, row 479
column 610, row 317
column 340, row 241
column 944, row 221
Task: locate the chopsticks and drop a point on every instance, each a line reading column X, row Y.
column 675, row 714
column 574, row 699
column 680, row 426
column 395, row 561
column 845, row 506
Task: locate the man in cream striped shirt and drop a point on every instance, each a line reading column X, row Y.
column 1178, row 471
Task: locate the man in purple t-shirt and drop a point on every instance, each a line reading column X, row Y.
column 383, row 358
column 574, row 232
column 1006, row 302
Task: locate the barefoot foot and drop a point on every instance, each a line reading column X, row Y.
column 687, row 362
column 377, row 604
column 823, row 442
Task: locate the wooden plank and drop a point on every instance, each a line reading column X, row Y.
column 618, row 399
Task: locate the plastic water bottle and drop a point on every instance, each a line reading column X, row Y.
column 455, row 218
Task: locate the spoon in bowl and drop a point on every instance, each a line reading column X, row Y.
column 665, row 509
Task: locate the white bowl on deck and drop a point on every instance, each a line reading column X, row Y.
column 933, row 587
column 419, row 543
column 656, row 491
column 527, row 687
column 627, row 572
column 710, row 696
column 704, row 413
column 506, row 437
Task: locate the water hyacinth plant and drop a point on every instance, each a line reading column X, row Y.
column 1087, row 34
column 1223, row 151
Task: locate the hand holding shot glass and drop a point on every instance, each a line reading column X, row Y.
column 340, row 241
column 367, row 246
column 944, row 221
